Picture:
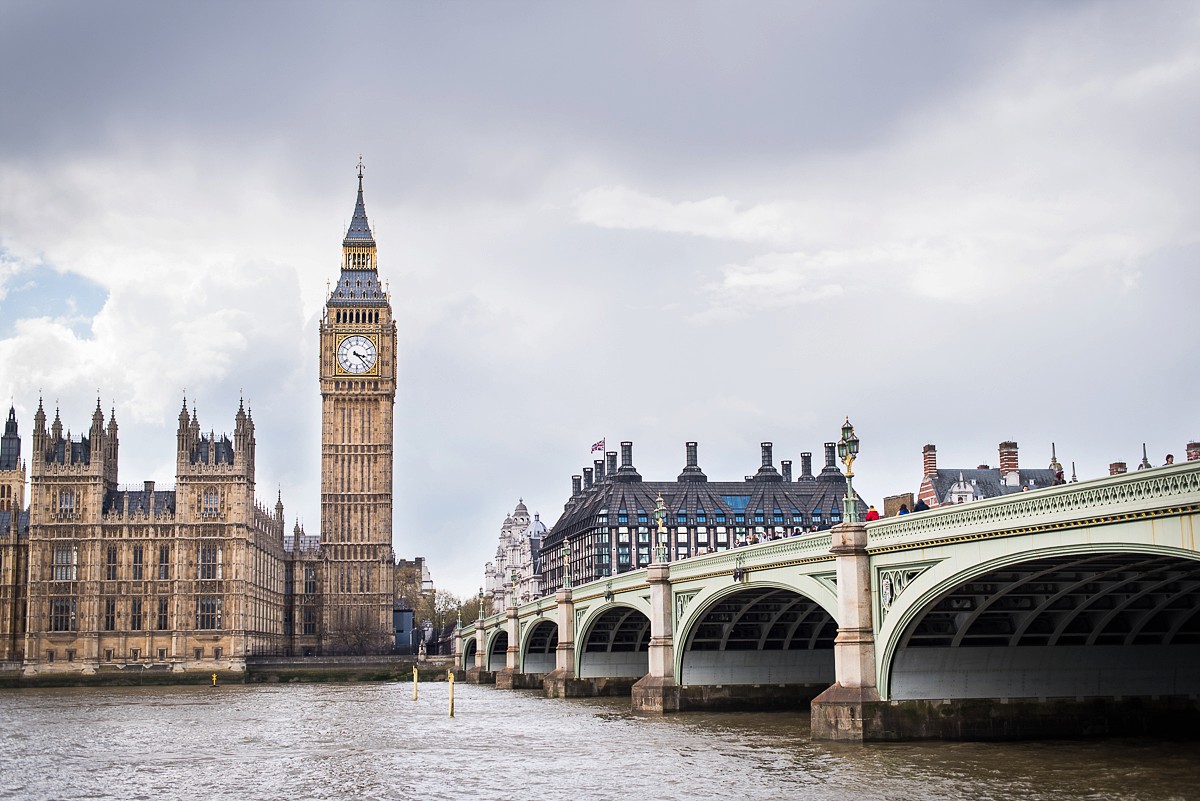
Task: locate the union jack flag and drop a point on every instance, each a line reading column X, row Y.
column 599, row 446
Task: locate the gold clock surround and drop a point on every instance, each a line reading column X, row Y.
column 341, row 336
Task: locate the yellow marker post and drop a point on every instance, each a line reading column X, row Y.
column 214, row 678
column 452, row 693
column 414, row 682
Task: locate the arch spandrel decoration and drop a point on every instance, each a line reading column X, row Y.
column 891, row 582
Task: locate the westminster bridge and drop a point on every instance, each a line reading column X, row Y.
column 1069, row 610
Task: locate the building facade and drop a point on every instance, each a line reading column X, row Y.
column 941, row 486
column 189, row 577
column 607, row 526
column 14, row 543
column 515, row 575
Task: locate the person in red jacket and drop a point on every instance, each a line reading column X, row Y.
column 872, row 514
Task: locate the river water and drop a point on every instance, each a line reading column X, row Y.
column 372, row 741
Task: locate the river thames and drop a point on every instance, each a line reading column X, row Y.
column 372, row 741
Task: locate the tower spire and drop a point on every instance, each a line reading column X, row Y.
column 359, row 232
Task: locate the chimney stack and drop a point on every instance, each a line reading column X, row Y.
column 1117, row 468
column 599, row 463
column 767, row 471
column 831, row 460
column 1193, row 451
column 576, row 485
column 806, row 473
column 929, row 454
column 786, row 465
column 691, row 471
column 1009, row 468
column 611, row 459
column 627, row 472
column 587, row 478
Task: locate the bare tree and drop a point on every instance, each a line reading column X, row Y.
column 361, row 634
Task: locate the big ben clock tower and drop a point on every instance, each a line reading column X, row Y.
column 358, row 393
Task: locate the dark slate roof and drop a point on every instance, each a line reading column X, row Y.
column 22, row 522
column 64, row 451
column 988, row 483
column 359, row 232
column 358, row 288
column 731, row 497
column 222, row 450
column 135, row 501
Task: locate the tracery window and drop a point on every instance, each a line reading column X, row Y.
column 110, row 566
column 210, row 562
column 211, row 504
column 65, row 560
column 208, row 612
column 62, row 614
column 66, row 502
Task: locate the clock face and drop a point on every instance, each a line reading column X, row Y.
column 356, row 354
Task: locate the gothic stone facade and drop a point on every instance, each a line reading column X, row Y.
column 185, row 578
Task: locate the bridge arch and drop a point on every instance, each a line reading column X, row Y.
column 497, row 652
column 767, row 632
column 468, row 653
column 1080, row 620
column 538, row 646
column 614, row 642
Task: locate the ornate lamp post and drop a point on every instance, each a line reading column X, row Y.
column 566, row 565
column 660, row 517
column 848, row 449
column 480, row 612
column 513, row 584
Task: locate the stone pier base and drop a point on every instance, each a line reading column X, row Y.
column 766, row 697
column 512, row 680
column 558, row 685
column 1000, row 719
column 653, row 695
column 478, row 676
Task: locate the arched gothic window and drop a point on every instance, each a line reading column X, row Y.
column 211, row 504
column 66, row 502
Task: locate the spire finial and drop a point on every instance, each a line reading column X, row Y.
column 361, row 167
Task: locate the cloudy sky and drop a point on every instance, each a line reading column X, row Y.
column 956, row 223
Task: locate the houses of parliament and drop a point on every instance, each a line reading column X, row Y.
column 96, row 575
